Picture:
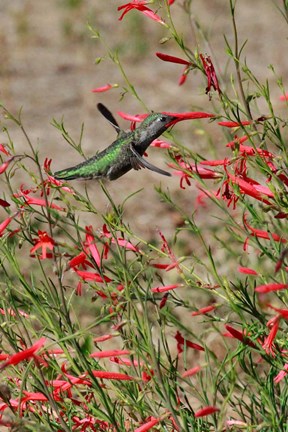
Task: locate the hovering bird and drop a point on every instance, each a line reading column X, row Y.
column 125, row 153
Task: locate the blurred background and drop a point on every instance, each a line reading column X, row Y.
column 49, row 63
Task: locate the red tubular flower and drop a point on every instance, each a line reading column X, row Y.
column 55, row 351
column 240, row 336
column 161, row 144
column 250, row 187
column 6, row 222
column 4, row 203
column 206, row 411
column 236, row 423
column 132, row 117
column 47, row 165
column 220, row 162
column 212, row 80
column 147, row 376
column 264, row 190
column 103, row 338
column 166, row 288
column 282, row 312
column 120, row 241
column 160, row 266
column 104, row 88
column 284, row 97
column 244, row 151
column 3, row 150
column 126, row 244
column 247, row 270
column 90, row 276
column 281, row 374
column 263, row 289
column 11, row 312
column 231, row 124
column 45, row 242
column 36, row 201
column 254, row 232
column 111, row 375
column 193, row 115
column 24, row 355
column 181, row 342
column 183, row 77
column 166, row 248
column 139, row 5
column 251, row 151
column 172, row 59
column 237, row 141
column 74, row 381
column 126, row 361
column 89, row 423
column 163, row 301
column 5, row 164
column 204, row 310
column 109, row 353
column 281, row 215
column 281, row 259
column 204, row 173
column 78, row 290
column 4, row 356
column 91, row 245
column 79, row 260
column 191, row 372
column 268, row 344
column 187, row 171
column 30, row 396
column 51, row 181
column 148, row 425
column 278, row 173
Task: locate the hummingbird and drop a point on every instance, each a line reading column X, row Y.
column 125, row 153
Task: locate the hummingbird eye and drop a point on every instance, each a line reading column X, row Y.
column 162, row 119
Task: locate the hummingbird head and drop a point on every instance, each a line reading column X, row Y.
column 156, row 123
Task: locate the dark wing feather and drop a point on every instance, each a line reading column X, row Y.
column 138, row 162
column 109, row 116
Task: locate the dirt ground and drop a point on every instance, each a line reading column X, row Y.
column 47, row 66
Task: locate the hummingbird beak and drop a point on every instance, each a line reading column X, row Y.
column 173, row 122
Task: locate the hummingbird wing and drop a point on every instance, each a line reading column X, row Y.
column 138, row 162
column 109, row 116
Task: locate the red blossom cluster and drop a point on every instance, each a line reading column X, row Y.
column 26, row 198
column 235, row 180
column 62, row 386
